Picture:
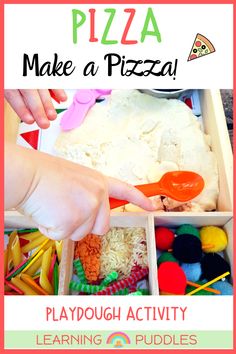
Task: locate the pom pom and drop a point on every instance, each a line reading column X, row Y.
column 213, row 265
column 164, row 238
column 215, row 236
column 166, row 257
column 200, row 292
column 193, row 271
column 172, row 279
column 224, row 287
column 187, row 229
column 187, row 248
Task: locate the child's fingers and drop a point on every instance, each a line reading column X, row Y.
column 102, row 223
column 47, row 104
column 82, row 230
column 16, row 101
column 60, row 95
column 34, row 104
column 120, row 190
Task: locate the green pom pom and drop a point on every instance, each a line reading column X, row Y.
column 187, row 229
column 166, row 257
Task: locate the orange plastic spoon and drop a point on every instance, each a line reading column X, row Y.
column 178, row 185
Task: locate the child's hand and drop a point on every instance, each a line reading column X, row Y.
column 64, row 199
column 34, row 105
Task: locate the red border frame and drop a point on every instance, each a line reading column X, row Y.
column 122, row 2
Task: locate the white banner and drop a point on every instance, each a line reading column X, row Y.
column 45, row 44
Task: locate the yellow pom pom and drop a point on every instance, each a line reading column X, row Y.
column 214, row 239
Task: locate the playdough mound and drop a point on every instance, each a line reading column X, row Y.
column 137, row 138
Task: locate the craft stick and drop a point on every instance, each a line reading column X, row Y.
column 133, row 278
column 5, row 261
column 45, row 283
column 59, row 249
column 56, row 278
column 12, row 286
column 39, row 248
column 109, row 278
column 17, row 269
column 208, row 283
column 27, row 290
column 35, row 266
column 80, row 271
column 85, row 288
column 50, row 273
column 28, row 280
column 31, row 236
column 32, row 261
column 20, row 231
column 211, row 290
column 33, row 244
column 16, row 251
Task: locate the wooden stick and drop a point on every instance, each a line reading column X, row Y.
column 207, row 289
column 209, row 283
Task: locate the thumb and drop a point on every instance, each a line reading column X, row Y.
column 124, row 191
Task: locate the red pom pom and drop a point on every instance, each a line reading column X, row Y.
column 164, row 238
column 171, row 278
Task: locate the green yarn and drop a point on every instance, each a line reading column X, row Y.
column 109, row 279
column 166, row 257
column 187, row 229
column 80, row 271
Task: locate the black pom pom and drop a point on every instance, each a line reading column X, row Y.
column 187, row 248
column 214, row 265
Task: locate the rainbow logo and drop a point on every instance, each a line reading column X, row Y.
column 118, row 339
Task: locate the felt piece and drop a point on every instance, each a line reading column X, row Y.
column 187, row 229
column 213, row 265
column 171, row 278
column 193, row 271
column 166, row 257
column 187, row 248
column 164, row 238
column 213, row 235
column 224, row 287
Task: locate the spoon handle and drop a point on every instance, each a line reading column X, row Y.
column 149, row 190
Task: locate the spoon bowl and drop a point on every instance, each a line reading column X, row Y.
column 182, row 186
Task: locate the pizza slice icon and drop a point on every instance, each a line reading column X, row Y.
column 201, row 46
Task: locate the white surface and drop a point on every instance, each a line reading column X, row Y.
column 29, row 313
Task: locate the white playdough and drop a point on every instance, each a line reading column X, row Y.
column 137, row 138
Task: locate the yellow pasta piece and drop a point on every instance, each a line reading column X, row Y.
column 5, row 261
column 16, row 251
column 33, row 261
column 10, row 241
column 28, row 280
column 45, row 283
column 33, row 244
column 59, row 249
column 31, row 236
column 46, row 262
column 35, row 266
column 50, row 243
column 27, row 290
